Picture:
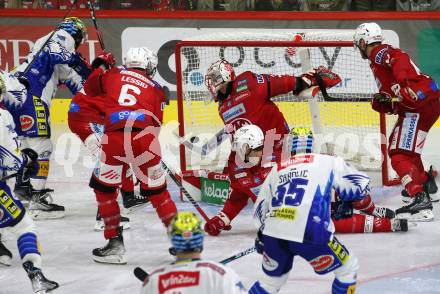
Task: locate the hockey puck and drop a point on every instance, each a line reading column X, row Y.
column 194, row 139
column 140, row 274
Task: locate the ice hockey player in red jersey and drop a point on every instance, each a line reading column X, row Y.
column 246, row 99
column 85, row 120
column 414, row 97
column 133, row 109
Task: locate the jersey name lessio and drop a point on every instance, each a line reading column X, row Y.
column 294, row 201
column 193, row 277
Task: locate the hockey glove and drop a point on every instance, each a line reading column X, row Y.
column 382, row 97
column 259, row 245
column 80, row 65
column 105, row 59
column 343, row 210
column 218, row 223
column 309, row 80
column 32, row 166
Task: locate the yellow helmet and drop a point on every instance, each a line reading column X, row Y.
column 185, row 232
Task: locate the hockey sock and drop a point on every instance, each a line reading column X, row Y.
column 39, row 180
column 234, row 204
column 339, row 287
column 365, row 205
column 127, row 180
column 360, row 223
column 165, row 206
column 411, row 177
column 29, row 248
column 109, row 210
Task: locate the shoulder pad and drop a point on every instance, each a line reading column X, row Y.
column 214, row 266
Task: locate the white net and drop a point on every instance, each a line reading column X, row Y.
column 346, row 126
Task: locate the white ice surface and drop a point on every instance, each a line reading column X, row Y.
column 389, row 262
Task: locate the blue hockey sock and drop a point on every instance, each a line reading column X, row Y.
column 27, row 243
column 339, row 287
column 257, row 289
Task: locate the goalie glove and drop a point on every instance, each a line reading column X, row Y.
column 343, row 209
column 382, row 97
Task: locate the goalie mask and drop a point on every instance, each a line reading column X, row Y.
column 302, row 140
column 218, row 74
column 75, row 27
column 185, row 233
column 369, row 33
column 247, row 139
column 142, row 58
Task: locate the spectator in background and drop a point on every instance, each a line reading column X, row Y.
column 223, row 5
column 373, row 5
column 418, row 5
column 325, row 5
column 288, row 5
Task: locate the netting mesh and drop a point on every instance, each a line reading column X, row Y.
column 346, row 126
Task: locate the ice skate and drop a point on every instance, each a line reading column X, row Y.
column 5, row 255
column 430, row 187
column 40, row 284
column 383, row 212
column 420, row 209
column 41, row 206
column 23, row 191
column 113, row 252
column 133, row 201
column 99, row 225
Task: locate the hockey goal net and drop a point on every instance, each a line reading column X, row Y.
column 344, row 125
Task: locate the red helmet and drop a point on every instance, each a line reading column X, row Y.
column 218, row 74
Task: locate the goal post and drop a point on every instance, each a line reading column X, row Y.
column 344, row 126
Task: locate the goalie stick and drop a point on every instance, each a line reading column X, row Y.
column 142, row 275
column 185, row 192
column 209, row 146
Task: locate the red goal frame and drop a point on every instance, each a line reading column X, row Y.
column 386, row 180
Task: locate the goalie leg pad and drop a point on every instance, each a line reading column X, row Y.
column 162, row 202
column 109, row 211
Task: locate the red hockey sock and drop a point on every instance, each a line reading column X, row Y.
column 360, row 223
column 109, row 211
column 365, row 205
column 127, row 184
column 234, row 204
column 165, row 206
column 412, row 178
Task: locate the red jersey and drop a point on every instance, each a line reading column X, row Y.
column 394, row 70
column 249, row 102
column 248, row 181
column 128, row 96
column 83, row 108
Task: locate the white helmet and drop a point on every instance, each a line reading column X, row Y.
column 246, row 138
column 370, row 32
column 141, row 57
column 219, row 73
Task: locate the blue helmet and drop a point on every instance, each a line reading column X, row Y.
column 75, row 27
column 186, row 233
column 302, row 140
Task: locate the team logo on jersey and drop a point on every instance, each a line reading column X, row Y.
column 74, row 108
column 322, row 263
column 260, row 79
column 257, row 180
column 241, row 86
column 379, row 56
column 26, row 122
column 233, row 112
column 284, row 213
column 178, row 279
column 269, row 264
column 240, row 175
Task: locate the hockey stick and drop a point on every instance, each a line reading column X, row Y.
column 98, row 32
column 26, row 70
column 142, row 275
column 238, row 255
column 209, row 146
column 185, row 192
column 8, row 177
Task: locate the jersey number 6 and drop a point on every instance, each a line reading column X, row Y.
column 290, row 193
column 126, row 97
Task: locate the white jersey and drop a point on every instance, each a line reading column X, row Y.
column 13, row 92
column 53, row 66
column 11, row 158
column 193, row 277
column 294, row 200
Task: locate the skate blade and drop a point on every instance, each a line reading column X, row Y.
column 406, row 200
column 43, row 291
column 41, row 214
column 422, row 216
column 434, row 198
column 99, row 226
column 113, row 259
column 5, row 260
column 136, row 208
